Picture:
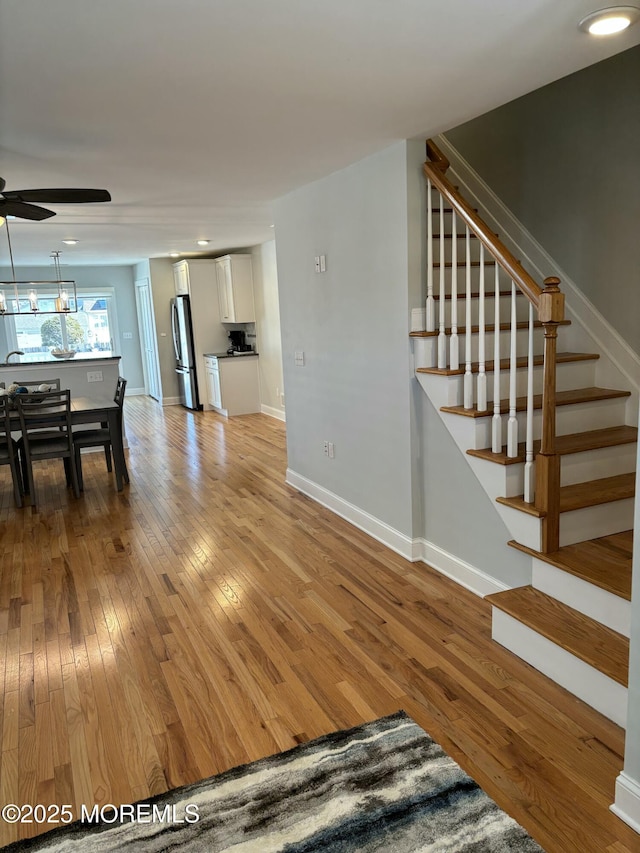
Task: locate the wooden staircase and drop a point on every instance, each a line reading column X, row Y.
column 572, row 622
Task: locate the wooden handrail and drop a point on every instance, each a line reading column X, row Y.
column 434, row 169
column 549, row 303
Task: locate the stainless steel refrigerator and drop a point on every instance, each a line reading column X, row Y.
column 185, row 355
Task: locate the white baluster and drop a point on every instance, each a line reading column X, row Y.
column 512, row 425
column 442, row 335
column 430, row 306
column 496, row 424
column 529, row 478
column 482, row 375
column 454, row 346
column 468, row 375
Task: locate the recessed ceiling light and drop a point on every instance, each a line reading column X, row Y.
column 203, row 242
column 607, row 22
column 71, row 242
column 174, row 254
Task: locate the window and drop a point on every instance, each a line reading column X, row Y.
column 90, row 331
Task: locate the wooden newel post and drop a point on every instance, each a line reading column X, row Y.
column 550, row 313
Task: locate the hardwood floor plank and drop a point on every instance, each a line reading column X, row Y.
column 210, row 614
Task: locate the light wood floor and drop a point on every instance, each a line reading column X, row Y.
column 210, row 615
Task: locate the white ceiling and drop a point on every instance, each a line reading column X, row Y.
column 197, row 114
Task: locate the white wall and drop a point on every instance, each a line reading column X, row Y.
column 121, row 279
column 394, row 459
column 351, row 323
column 269, row 343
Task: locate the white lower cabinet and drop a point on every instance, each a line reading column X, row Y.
column 233, row 386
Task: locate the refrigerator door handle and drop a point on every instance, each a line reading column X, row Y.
column 174, row 331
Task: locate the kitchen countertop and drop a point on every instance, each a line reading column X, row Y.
column 227, row 355
column 85, row 358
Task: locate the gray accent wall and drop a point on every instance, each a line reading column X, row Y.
column 565, row 160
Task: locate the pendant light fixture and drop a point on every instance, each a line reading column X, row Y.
column 35, row 297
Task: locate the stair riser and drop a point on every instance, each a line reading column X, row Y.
column 475, row 433
column 597, row 690
column 597, row 464
column 591, row 522
column 578, row 374
column 596, row 521
column 596, row 603
column 522, row 305
column 522, row 345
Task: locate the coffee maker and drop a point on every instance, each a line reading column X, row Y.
column 237, row 338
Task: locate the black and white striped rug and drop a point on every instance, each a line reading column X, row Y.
column 384, row 787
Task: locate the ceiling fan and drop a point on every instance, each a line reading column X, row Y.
column 18, row 202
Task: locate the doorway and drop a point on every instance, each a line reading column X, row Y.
column 148, row 341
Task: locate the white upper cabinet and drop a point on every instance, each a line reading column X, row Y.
column 181, row 278
column 235, row 289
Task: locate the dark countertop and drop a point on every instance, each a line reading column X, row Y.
column 227, row 355
column 75, row 360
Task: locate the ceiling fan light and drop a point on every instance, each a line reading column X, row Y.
column 609, row 21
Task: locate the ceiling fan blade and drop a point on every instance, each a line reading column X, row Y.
column 3, row 184
column 58, row 196
column 8, row 207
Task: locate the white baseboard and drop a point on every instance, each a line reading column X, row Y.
column 627, row 804
column 273, row 413
column 582, row 311
column 136, row 392
column 171, row 401
column 463, row 573
column 379, row 530
column 415, row 550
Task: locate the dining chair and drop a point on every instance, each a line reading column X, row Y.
column 99, row 437
column 45, row 422
column 9, row 449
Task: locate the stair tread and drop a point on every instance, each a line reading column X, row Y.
column 563, row 398
column 583, row 495
column 449, row 209
column 449, row 236
column 463, row 264
column 576, row 442
column 521, row 362
column 605, row 562
column 489, row 327
column 475, row 294
column 600, row 647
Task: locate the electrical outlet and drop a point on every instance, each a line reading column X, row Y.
column 326, row 448
column 127, row 336
column 317, row 263
column 95, row 376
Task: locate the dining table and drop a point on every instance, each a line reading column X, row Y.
column 89, row 410
column 86, row 410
